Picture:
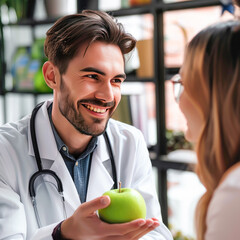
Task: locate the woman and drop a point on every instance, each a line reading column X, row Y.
column 210, row 101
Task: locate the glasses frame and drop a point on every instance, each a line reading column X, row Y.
column 177, row 86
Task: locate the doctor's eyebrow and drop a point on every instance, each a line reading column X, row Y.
column 92, row 69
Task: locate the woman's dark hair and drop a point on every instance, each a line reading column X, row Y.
column 66, row 36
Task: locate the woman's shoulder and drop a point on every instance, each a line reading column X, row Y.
column 231, row 177
column 229, row 187
column 223, row 214
column 228, row 191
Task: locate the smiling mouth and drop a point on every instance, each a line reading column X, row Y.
column 95, row 109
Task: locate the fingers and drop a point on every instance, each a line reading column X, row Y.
column 136, row 227
column 150, row 225
column 132, row 230
column 124, row 228
column 88, row 208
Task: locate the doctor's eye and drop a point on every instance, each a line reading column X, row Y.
column 117, row 80
column 93, row 76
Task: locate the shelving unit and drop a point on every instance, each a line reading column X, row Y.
column 157, row 8
column 160, row 160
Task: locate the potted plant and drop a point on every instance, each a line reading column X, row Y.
column 17, row 8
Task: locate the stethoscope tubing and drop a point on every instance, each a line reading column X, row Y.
column 42, row 171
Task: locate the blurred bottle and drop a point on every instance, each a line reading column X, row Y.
column 19, row 69
column 125, row 4
column 58, row 8
column 139, row 2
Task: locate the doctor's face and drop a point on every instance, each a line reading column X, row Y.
column 90, row 89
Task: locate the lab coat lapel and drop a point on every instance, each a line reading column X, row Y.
column 50, row 156
column 45, row 138
column 100, row 180
column 70, row 191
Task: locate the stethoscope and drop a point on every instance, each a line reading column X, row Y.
column 42, row 171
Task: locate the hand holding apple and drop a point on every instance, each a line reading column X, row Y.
column 126, row 205
column 86, row 224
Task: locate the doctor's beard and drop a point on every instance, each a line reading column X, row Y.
column 79, row 123
column 75, row 117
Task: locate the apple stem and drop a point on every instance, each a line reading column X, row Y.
column 119, row 184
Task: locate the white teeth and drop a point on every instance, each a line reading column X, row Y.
column 98, row 110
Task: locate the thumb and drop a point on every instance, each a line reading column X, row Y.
column 88, row 208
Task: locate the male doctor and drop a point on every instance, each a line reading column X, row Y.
column 85, row 70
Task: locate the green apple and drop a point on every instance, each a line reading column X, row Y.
column 126, row 205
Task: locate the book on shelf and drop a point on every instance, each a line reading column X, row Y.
column 123, row 111
column 137, row 108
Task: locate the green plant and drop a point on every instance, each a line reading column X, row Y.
column 177, row 235
column 19, row 6
column 176, row 140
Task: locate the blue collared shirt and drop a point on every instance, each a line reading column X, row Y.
column 78, row 167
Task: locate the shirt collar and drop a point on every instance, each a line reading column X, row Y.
column 61, row 145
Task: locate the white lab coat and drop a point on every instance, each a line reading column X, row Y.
column 17, row 165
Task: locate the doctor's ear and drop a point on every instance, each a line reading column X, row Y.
column 50, row 73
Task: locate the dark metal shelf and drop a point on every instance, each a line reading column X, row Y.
column 25, row 92
column 32, row 22
column 187, row 4
column 162, row 7
column 137, row 10
column 133, row 78
column 164, row 163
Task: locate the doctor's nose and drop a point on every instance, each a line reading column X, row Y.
column 105, row 92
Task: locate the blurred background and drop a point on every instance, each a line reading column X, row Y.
column 162, row 28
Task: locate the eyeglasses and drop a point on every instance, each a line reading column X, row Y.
column 177, row 86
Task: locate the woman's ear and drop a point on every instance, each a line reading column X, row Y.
column 50, row 74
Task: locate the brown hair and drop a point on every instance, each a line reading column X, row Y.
column 65, row 37
column 237, row 2
column 211, row 78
